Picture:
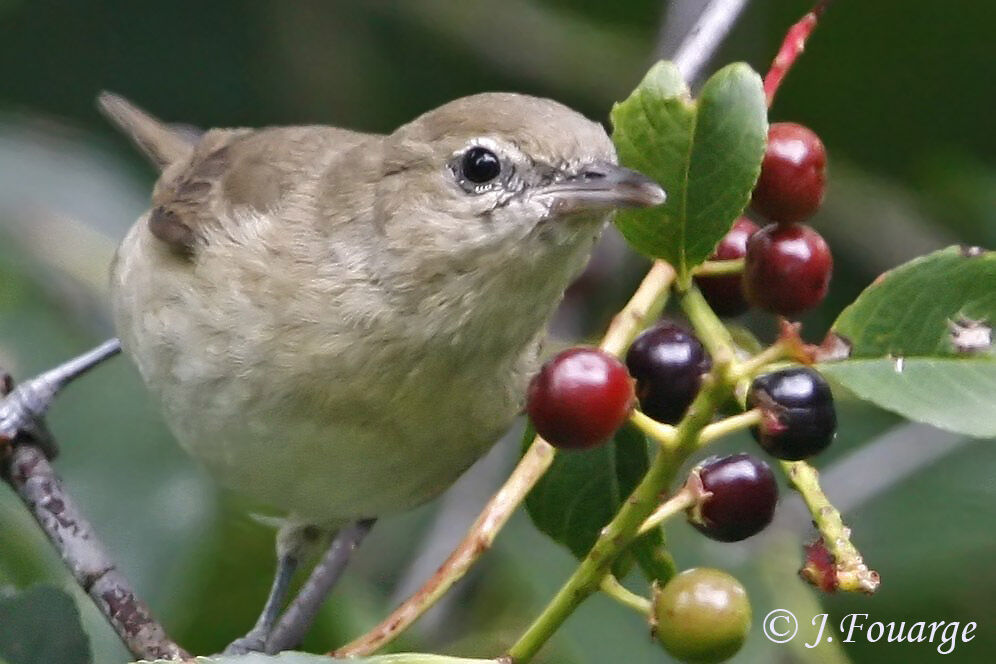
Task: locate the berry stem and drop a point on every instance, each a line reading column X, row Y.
column 617, row 591
column 711, row 331
column 676, row 504
column 773, row 353
column 730, row 425
column 479, row 537
column 662, row 433
column 851, row 572
column 646, row 305
column 623, row 529
column 719, row 268
column 792, row 46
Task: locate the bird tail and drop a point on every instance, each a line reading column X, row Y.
column 161, row 143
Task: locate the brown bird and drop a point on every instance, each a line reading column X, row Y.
column 337, row 323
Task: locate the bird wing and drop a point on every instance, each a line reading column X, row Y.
column 208, row 178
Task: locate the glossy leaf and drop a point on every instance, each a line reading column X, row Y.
column 40, row 626
column 921, row 341
column 583, row 490
column 706, row 153
column 308, row 658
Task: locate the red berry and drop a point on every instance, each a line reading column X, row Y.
column 799, row 418
column 787, row 268
column 580, row 398
column 667, row 362
column 793, row 174
column 744, row 494
column 725, row 293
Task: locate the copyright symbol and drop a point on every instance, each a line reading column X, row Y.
column 780, row 626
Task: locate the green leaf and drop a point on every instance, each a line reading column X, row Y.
column 583, row 490
column 652, row 556
column 705, row 153
column 41, row 625
column 918, row 341
column 307, row 658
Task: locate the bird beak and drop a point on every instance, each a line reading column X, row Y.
column 603, row 185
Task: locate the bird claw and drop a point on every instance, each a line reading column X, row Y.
column 254, row 641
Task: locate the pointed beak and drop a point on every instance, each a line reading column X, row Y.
column 602, row 185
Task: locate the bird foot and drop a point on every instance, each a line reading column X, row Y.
column 254, row 641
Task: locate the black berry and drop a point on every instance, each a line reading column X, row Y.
column 793, row 174
column 703, row 616
column 725, row 293
column 799, row 419
column 580, row 398
column 787, row 269
column 744, row 494
column 667, row 362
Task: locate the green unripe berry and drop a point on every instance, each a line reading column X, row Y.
column 703, row 616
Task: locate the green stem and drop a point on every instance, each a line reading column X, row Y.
column 852, row 573
column 729, row 425
column 646, row 304
column 662, row 433
column 676, row 504
column 719, row 268
column 622, row 530
column 751, row 367
column 617, row 591
column 711, row 331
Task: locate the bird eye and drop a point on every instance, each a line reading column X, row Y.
column 480, row 165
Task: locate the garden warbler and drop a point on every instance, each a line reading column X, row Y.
column 338, row 323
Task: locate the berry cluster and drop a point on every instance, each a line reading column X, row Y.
column 787, row 264
column 581, row 397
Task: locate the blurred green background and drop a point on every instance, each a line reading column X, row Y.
column 902, row 92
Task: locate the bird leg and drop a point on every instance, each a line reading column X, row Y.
column 301, row 612
column 293, row 541
column 255, row 639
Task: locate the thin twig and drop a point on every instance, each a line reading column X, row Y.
column 34, row 480
column 706, row 35
column 27, row 470
column 792, row 46
column 478, row 539
column 24, row 407
column 646, row 303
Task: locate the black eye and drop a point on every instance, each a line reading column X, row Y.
column 480, row 165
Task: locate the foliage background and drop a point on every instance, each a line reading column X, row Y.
column 901, row 91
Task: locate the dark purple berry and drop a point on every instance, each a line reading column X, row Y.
column 799, row 419
column 580, row 398
column 744, row 494
column 667, row 362
column 787, row 269
column 725, row 293
column 793, row 174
